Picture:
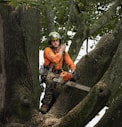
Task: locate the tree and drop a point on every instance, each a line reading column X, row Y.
column 19, row 46
column 100, row 69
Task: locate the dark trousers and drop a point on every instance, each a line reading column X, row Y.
column 50, row 94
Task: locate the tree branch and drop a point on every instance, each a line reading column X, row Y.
column 86, row 109
column 104, row 19
column 112, row 115
column 83, row 32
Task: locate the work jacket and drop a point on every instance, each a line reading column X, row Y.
column 56, row 60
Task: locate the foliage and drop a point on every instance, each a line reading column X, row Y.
column 68, row 15
column 60, row 9
column 16, row 3
column 90, row 10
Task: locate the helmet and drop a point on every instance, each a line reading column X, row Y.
column 54, row 36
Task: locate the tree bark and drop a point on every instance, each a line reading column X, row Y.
column 113, row 115
column 19, row 44
column 2, row 71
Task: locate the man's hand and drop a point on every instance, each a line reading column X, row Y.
column 62, row 49
column 66, row 75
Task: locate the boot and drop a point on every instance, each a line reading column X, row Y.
column 44, row 109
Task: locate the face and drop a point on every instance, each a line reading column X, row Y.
column 55, row 43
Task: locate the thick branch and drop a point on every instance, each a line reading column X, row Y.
column 113, row 75
column 105, row 18
column 88, row 108
column 49, row 19
column 113, row 115
column 98, row 60
column 82, row 30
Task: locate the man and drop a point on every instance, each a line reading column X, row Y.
column 54, row 58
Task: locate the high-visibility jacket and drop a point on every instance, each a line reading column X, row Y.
column 56, row 59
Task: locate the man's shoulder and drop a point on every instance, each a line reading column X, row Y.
column 47, row 48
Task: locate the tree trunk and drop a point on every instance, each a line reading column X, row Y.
column 19, row 44
column 2, row 71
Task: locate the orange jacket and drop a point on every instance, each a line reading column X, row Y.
column 55, row 58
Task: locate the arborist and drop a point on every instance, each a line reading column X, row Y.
column 54, row 58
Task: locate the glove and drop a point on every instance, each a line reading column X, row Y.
column 66, row 76
column 75, row 76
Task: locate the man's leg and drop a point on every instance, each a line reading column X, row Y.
column 48, row 99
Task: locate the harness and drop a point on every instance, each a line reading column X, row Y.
column 52, row 70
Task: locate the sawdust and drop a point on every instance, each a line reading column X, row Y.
column 50, row 120
column 45, row 120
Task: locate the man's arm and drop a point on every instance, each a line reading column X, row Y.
column 69, row 62
column 54, row 57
